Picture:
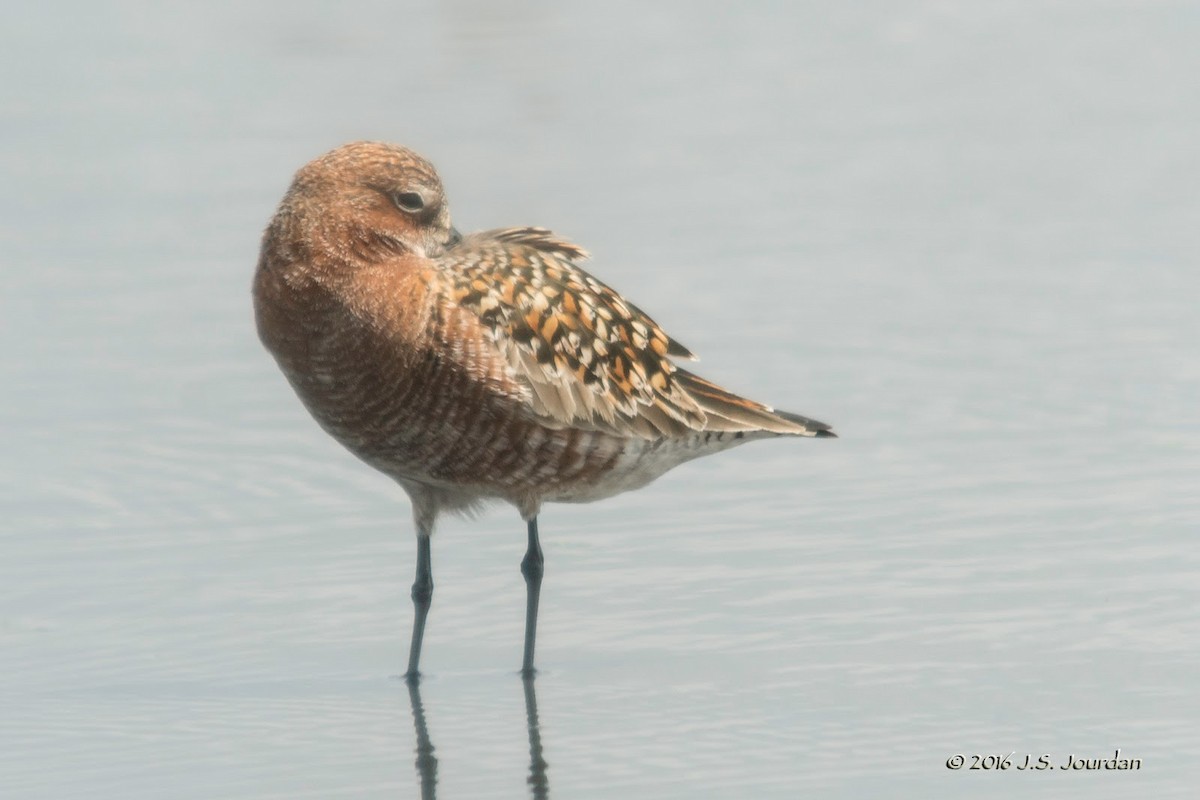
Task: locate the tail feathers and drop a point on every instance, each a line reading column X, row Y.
column 728, row 411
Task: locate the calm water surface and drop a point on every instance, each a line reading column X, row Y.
column 965, row 235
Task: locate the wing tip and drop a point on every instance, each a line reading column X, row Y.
column 812, row 427
column 746, row 414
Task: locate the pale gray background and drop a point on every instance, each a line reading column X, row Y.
column 965, row 233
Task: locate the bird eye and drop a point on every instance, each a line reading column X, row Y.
column 409, row 201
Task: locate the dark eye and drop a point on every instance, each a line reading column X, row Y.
column 409, row 201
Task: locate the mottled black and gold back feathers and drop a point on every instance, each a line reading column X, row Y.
column 570, row 330
column 590, row 358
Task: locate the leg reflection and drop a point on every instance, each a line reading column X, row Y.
column 427, row 763
column 539, row 784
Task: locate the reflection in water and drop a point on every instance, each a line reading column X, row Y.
column 539, row 784
column 427, row 763
column 426, row 760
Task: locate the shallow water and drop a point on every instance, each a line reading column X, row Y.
column 965, row 236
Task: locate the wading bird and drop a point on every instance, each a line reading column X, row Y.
column 480, row 367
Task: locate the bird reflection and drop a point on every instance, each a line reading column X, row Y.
column 427, row 763
column 539, row 784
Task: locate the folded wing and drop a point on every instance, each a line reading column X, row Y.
column 590, row 358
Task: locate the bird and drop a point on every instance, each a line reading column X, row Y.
column 476, row 368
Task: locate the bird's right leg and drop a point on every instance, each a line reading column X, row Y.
column 422, row 595
column 532, row 567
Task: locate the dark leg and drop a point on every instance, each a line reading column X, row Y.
column 532, row 569
column 422, row 595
